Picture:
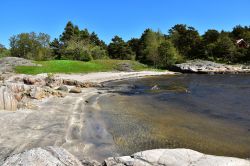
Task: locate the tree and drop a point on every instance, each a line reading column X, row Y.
column 151, row 44
column 118, row 49
column 210, row 36
column 77, row 50
column 69, row 32
column 98, row 53
column 240, row 32
column 225, row 48
column 204, row 50
column 134, row 44
column 148, row 47
column 2, row 48
column 79, row 44
column 56, row 47
column 168, row 55
column 94, row 39
column 3, row 51
column 84, row 35
column 185, row 39
column 30, row 46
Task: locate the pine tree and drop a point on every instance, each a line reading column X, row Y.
column 68, row 33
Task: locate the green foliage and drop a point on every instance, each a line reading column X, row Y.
column 77, row 50
column 118, row 49
column 152, row 48
column 98, row 53
column 168, row 55
column 30, row 46
column 4, row 51
column 210, row 36
column 69, row 32
column 240, row 32
column 56, row 48
column 94, row 40
column 151, row 41
column 69, row 66
column 185, row 39
column 2, row 48
column 155, row 49
column 225, row 48
column 76, row 44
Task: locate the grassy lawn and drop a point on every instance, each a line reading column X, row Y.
column 69, row 66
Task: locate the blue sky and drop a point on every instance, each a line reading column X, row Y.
column 126, row 18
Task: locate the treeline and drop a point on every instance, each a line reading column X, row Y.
column 4, row 51
column 152, row 48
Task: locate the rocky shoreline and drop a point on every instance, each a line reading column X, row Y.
column 55, row 156
column 49, row 110
column 208, row 67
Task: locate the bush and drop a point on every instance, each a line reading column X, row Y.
column 4, row 53
column 167, row 55
column 98, row 53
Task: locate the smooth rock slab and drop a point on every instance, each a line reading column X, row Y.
column 49, row 156
column 7, row 99
column 174, row 157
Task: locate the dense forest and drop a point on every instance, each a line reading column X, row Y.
column 153, row 48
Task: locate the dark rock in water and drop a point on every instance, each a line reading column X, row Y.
column 155, row 87
column 75, row 90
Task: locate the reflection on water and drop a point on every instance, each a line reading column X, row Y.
column 208, row 113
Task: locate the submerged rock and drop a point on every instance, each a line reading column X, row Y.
column 174, row 157
column 156, row 87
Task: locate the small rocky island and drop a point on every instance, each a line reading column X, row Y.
column 42, row 119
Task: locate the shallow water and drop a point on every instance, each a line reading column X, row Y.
column 207, row 113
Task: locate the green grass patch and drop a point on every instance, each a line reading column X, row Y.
column 69, row 66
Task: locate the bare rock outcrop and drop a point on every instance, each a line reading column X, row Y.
column 202, row 66
column 80, row 83
column 49, row 156
column 7, row 99
column 34, row 81
column 56, row 156
column 174, row 157
column 75, row 90
column 37, row 93
column 7, row 63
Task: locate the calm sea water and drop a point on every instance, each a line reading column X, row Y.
column 207, row 113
